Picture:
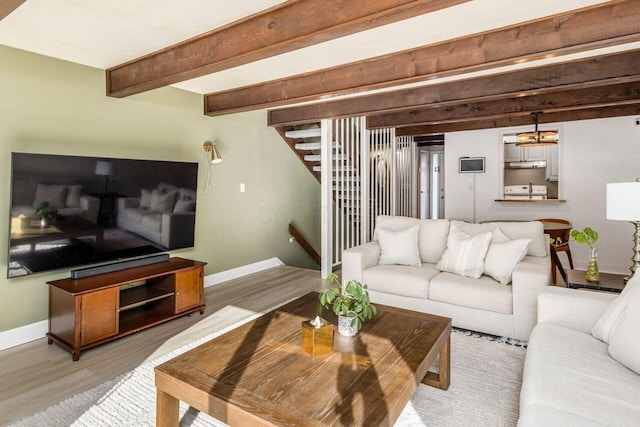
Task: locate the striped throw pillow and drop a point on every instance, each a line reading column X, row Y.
column 465, row 254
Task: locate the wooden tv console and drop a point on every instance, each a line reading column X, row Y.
column 94, row 310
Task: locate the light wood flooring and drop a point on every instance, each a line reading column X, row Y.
column 35, row 375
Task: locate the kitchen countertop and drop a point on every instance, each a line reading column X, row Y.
column 531, row 200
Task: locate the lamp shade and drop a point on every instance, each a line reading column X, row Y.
column 104, row 167
column 623, row 201
column 215, row 155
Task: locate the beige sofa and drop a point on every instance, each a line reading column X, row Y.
column 481, row 304
column 570, row 378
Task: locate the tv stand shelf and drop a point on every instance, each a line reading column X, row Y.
column 94, row 310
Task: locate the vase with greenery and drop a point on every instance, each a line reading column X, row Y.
column 48, row 213
column 351, row 304
column 589, row 237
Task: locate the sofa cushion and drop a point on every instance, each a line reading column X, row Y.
column 73, row 196
column 533, row 230
column 133, row 214
column 432, row 236
column 483, row 293
column 184, row 206
column 503, row 255
column 400, row 280
column 145, row 199
column 399, row 247
column 571, row 371
column 465, row 254
column 605, row 325
column 152, row 222
column 54, row 194
column 624, row 345
column 162, row 202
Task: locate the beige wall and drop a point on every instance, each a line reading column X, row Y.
column 52, row 106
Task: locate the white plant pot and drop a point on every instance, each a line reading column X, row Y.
column 345, row 328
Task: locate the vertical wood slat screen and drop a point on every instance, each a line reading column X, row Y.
column 373, row 173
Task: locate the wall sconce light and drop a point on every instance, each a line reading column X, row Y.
column 536, row 138
column 213, row 157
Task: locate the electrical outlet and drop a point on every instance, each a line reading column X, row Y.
column 242, row 187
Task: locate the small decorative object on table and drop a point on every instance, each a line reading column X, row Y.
column 317, row 336
column 48, row 214
column 351, row 304
column 589, row 237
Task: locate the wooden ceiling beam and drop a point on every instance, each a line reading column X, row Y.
column 614, row 68
column 589, row 28
column 521, row 120
column 604, row 95
column 289, row 26
column 8, row 6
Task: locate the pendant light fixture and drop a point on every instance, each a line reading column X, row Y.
column 537, row 138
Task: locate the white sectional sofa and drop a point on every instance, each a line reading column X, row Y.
column 481, row 304
column 165, row 215
column 570, row 377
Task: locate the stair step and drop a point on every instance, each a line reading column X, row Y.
column 347, row 197
column 311, row 146
column 335, row 169
column 318, row 158
column 303, row 133
column 350, row 188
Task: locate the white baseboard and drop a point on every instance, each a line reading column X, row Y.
column 23, row 334
column 234, row 273
column 34, row 331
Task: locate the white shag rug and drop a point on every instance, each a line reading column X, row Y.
column 486, row 375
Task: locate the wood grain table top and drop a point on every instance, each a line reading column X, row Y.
column 258, row 373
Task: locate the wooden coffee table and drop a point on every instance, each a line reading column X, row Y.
column 258, row 373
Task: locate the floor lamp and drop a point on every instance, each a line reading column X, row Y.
column 623, row 204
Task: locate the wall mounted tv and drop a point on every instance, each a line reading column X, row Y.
column 70, row 211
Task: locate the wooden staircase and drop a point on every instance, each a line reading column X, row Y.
column 304, row 140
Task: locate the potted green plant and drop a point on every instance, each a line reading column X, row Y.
column 48, row 213
column 351, row 304
column 589, row 237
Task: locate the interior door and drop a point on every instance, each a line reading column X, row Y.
column 437, row 184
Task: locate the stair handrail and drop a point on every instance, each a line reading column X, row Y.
column 305, row 245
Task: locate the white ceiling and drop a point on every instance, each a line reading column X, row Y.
column 105, row 33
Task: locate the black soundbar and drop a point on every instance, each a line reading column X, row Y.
column 117, row 266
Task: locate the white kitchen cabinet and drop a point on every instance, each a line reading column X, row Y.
column 513, row 153
column 551, row 171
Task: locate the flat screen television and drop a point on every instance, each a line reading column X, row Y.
column 71, row 211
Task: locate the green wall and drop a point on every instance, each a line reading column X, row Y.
column 56, row 107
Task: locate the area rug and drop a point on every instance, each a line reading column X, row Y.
column 486, row 374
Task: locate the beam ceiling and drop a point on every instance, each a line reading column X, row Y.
column 8, row 6
column 594, row 27
column 289, row 26
column 421, row 104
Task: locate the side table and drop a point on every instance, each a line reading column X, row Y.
column 107, row 211
column 608, row 281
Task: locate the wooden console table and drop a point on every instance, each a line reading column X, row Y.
column 94, row 310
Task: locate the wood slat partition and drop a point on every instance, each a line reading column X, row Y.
column 288, row 26
column 598, row 26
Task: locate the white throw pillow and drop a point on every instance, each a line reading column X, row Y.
column 184, row 206
column 605, row 325
column 145, row 199
column 73, row 196
column 624, row 345
column 399, row 247
column 54, row 194
column 162, row 203
column 503, row 255
column 465, row 254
